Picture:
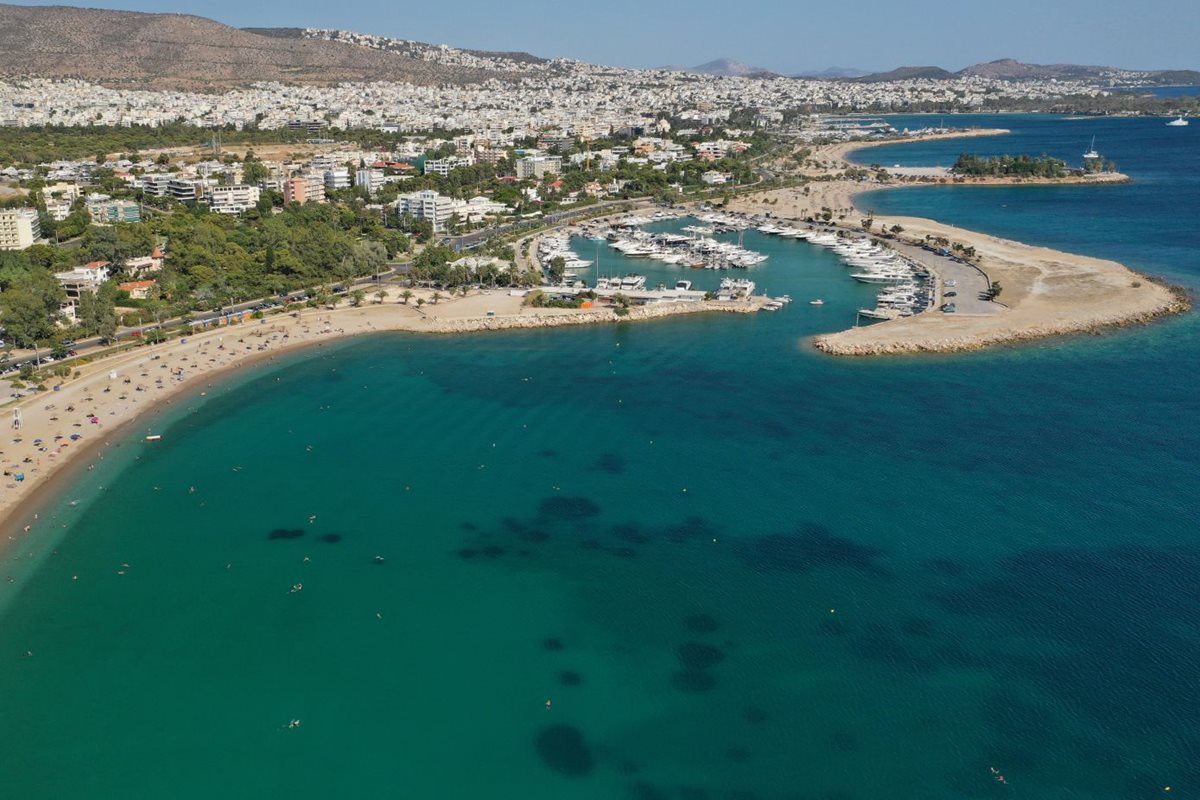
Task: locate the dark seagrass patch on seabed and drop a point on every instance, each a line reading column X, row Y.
column 285, row 533
column 564, row 750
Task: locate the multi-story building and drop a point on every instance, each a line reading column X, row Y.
column 106, row 211
column 232, row 199
column 485, row 153
column 370, row 179
column 185, row 189
column 557, row 141
column 710, row 151
column 442, row 166
column 538, row 166
column 338, row 178
column 62, row 192
column 295, row 190
column 58, row 209
column 158, row 185
column 85, row 279
column 19, row 228
column 478, row 209
column 427, row 205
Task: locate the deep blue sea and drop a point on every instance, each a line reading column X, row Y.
column 734, row 567
column 1168, row 91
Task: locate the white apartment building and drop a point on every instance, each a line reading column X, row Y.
column 58, row 209
column 19, row 228
column 158, row 185
column 479, row 208
column 87, row 278
column 370, row 179
column 337, row 178
column 442, row 166
column 427, row 205
column 232, row 199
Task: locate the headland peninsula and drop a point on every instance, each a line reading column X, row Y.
column 1046, row 292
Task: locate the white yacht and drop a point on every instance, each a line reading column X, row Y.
column 1179, row 122
column 892, row 276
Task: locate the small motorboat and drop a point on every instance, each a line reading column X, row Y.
column 154, row 437
column 817, row 302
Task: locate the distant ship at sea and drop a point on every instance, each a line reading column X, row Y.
column 1179, row 122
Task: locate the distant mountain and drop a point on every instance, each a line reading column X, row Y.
column 1177, row 77
column 1013, row 70
column 183, row 51
column 729, row 68
column 1009, row 69
column 832, row 74
column 906, row 74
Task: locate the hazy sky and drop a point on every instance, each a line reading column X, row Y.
column 783, row 35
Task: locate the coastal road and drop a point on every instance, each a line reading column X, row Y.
column 131, row 334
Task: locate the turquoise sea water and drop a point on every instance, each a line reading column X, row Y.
column 736, row 568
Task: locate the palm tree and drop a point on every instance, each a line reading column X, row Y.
column 435, row 297
column 406, row 295
column 356, row 297
column 379, row 295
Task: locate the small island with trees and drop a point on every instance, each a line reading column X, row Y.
column 1022, row 166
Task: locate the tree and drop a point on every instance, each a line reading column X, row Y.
column 97, row 312
column 435, row 297
column 356, row 297
column 29, row 308
column 558, row 268
column 379, row 295
column 405, row 296
column 254, row 171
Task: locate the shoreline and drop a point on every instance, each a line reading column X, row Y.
column 48, row 463
column 1046, row 292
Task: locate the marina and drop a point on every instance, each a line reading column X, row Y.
column 904, row 285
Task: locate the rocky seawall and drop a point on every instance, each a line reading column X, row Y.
column 992, row 331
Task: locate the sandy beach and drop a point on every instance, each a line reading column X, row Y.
column 125, row 389
column 1046, row 292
